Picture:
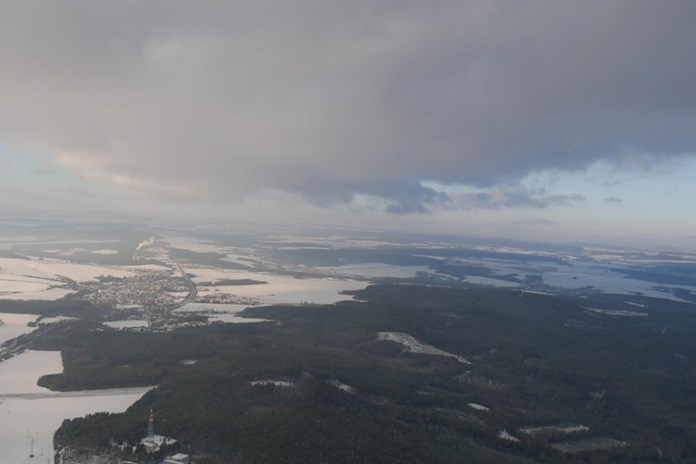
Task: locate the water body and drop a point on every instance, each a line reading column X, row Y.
column 30, row 415
column 15, row 325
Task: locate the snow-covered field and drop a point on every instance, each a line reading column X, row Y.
column 15, row 325
column 47, row 279
column 53, row 269
column 278, row 289
column 342, row 386
column 31, row 414
column 478, row 407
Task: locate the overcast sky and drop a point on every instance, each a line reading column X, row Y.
column 555, row 120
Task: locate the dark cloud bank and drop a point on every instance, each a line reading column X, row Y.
column 217, row 100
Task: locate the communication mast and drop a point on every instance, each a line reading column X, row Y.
column 151, row 425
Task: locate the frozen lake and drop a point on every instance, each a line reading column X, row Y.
column 31, row 414
column 222, row 312
column 605, row 280
column 277, row 289
column 15, row 325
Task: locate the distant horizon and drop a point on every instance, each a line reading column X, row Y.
column 571, row 122
column 224, row 226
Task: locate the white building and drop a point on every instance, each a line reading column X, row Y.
column 178, row 459
column 153, row 443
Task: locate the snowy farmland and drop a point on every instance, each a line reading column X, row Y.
column 44, row 279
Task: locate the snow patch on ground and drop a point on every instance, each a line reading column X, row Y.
column 478, row 407
column 505, row 435
column 50, row 294
column 342, row 386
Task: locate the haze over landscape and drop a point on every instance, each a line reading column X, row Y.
column 567, row 120
column 376, row 232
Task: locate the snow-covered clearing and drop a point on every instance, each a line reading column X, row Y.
column 341, row 386
column 478, row 407
column 638, row 305
column 505, row 435
column 414, row 346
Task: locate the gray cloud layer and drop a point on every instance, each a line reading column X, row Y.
column 215, row 100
